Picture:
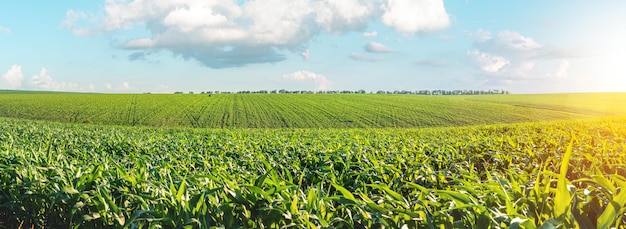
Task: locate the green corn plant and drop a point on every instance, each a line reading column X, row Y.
column 497, row 176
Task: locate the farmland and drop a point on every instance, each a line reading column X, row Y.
column 305, row 111
column 519, row 161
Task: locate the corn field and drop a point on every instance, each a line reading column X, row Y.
column 304, row 110
column 557, row 174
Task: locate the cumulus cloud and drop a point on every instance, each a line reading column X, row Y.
column 361, row 57
column 72, row 17
column 4, row 30
column 487, row 62
column 377, row 47
column 370, row 34
column 480, row 36
column 44, row 81
column 513, row 41
column 233, row 33
column 320, row 81
column 13, row 78
column 340, row 16
column 72, row 21
column 509, row 55
column 411, row 16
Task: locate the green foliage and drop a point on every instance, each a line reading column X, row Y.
column 305, row 110
column 563, row 174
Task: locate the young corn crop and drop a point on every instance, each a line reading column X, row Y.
column 306, row 111
column 559, row 174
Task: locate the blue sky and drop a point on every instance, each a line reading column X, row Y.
column 162, row 46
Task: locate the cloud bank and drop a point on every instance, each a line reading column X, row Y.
column 14, row 79
column 510, row 56
column 234, row 33
column 400, row 14
column 44, row 81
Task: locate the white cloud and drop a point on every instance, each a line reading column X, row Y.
column 513, row 43
column 511, row 56
column 487, row 62
column 339, row 16
column 4, row 30
column 320, row 81
column 233, row 33
column 480, row 36
column 305, row 55
column 563, row 67
column 142, row 43
column 561, row 70
column 13, row 78
column 45, row 82
column 370, row 34
column 125, row 86
column 189, row 19
column 514, row 40
column 377, row 47
column 411, row 16
column 73, row 18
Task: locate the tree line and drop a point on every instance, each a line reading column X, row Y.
column 403, row 92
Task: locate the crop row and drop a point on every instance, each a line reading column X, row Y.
column 277, row 110
column 557, row 174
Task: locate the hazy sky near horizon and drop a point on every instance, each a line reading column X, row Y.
column 122, row 46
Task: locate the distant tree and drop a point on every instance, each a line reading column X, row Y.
column 361, row 91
